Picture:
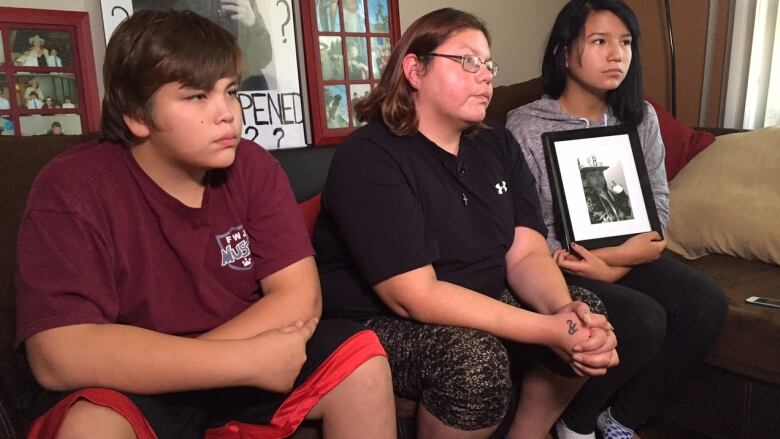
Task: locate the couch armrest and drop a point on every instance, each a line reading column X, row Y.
column 719, row 131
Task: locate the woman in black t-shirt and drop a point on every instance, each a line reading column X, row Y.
column 431, row 234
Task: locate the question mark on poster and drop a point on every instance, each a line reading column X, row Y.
column 255, row 132
column 115, row 9
column 279, row 141
column 286, row 21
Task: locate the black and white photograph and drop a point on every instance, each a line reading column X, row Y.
column 600, row 185
column 273, row 58
column 605, row 190
column 243, row 19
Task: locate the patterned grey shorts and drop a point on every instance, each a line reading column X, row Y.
column 462, row 375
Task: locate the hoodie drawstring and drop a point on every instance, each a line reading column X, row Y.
column 587, row 122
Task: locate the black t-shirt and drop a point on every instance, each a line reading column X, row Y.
column 393, row 204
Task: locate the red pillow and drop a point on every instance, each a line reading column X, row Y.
column 681, row 141
column 310, row 209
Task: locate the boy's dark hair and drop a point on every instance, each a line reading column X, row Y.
column 625, row 101
column 152, row 48
column 392, row 100
column 56, row 124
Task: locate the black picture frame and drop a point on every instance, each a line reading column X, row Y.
column 600, row 186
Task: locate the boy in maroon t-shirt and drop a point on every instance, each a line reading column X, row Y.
column 166, row 283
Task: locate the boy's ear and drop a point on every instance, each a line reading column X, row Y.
column 412, row 69
column 139, row 129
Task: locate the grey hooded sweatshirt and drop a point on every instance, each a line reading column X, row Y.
column 527, row 124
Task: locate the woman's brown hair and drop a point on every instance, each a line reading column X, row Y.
column 152, row 48
column 392, row 101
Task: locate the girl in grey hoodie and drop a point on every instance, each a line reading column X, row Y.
column 666, row 315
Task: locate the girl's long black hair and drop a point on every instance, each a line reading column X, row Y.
column 626, row 101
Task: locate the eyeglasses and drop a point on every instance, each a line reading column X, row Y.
column 470, row 63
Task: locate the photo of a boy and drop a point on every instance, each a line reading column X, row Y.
column 171, row 291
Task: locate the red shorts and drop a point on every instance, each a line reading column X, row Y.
column 258, row 414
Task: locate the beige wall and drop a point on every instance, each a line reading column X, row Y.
column 519, row 29
column 95, row 24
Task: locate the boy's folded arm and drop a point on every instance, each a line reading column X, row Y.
column 137, row 360
column 129, row 358
column 290, row 294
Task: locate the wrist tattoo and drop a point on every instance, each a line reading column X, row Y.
column 572, row 327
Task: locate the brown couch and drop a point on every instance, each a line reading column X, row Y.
column 735, row 394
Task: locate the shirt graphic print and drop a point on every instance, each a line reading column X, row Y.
column 235, row 250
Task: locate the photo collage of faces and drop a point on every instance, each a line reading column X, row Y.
column 38, row 86
column 354, row 42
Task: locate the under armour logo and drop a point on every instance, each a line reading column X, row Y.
column 501, row 187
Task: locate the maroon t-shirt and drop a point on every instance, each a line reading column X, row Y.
column 100, row 242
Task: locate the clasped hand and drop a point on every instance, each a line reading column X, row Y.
column 288, row 348
column 589, row 343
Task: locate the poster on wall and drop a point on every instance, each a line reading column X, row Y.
column 273, row 100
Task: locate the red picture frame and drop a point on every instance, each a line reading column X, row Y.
column 346, row 43
column 82, row 68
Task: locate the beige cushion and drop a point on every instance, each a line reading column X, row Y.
column 727, row 199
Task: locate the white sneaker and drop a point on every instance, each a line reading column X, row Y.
column 563, row 432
